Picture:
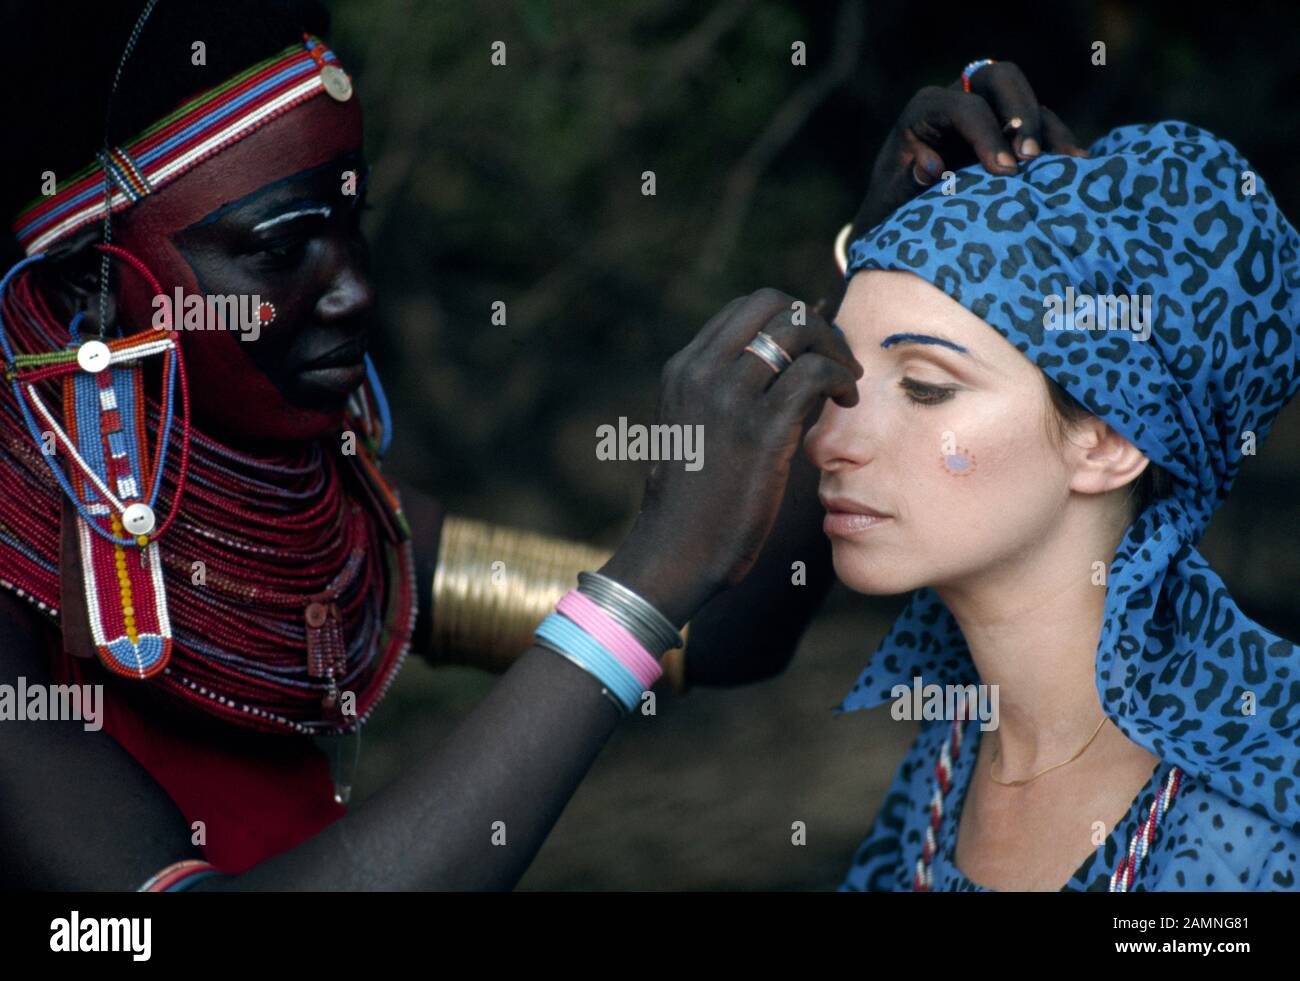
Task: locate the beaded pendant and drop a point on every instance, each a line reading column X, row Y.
column 121, row 566
column 112, row 479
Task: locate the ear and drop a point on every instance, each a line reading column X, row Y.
column 72, row 270
column 1101, row 460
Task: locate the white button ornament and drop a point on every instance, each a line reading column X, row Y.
column 336, row 83
column 138, row 519
column 93, row 356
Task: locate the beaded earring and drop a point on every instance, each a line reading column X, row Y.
column 113, row 480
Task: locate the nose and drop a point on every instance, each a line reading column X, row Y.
column 839, row 440
column 350, row 293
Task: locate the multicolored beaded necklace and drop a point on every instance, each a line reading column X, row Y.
column 1130, row 863
column 289, row 580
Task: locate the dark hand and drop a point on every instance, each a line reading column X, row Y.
column 700, row 531
column 948, row 129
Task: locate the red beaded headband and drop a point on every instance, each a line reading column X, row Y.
column 202, row 127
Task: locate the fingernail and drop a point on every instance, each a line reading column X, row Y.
column 1029, row 147
column 932, row 166
column 1005, row 159
column 921, row 177
column 1015, row 122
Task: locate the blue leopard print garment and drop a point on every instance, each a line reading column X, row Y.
column 1165, row 210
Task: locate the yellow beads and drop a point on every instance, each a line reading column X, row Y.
column 124, row 583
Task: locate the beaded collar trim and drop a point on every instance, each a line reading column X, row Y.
column 200, row 128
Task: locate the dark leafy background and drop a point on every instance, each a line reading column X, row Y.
column 523, row 184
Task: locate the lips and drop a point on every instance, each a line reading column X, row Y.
column 346, row 355
column 850, row 506
column 337, row 372
column 845, row 516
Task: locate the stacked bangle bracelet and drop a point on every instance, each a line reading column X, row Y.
column 179, row 876
column 611, row 633
column 645, row 622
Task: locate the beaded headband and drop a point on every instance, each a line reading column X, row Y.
column 200, row 128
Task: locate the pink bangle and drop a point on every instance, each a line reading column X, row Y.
column 179, row 876
column 588, row 615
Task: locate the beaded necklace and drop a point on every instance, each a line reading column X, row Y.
column 290, row 579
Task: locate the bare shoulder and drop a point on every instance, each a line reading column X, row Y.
column 77, row 812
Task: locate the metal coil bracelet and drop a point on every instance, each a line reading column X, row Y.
column 494, row 585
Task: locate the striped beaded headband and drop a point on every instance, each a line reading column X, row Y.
column 200, row 128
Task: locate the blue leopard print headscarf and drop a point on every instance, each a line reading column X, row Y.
column 1166, row 210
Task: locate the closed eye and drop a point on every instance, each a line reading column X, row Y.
column 284, row 250
column 919, row 393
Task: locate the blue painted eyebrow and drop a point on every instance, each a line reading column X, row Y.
column 893, row 339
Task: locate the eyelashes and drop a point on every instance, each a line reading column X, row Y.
column 279, row 255
column 921, row 394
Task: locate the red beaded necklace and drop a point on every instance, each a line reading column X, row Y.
column 290, row 579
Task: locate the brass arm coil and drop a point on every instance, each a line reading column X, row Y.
column 493, row 585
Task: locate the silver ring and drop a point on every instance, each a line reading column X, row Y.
column 773, row 354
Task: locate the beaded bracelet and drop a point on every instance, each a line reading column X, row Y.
column 972, row 68
column 179, row 876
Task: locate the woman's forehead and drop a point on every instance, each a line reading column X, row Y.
column 885, row 302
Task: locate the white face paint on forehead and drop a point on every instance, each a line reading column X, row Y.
column 323, row 209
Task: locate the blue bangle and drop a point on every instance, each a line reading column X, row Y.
column 191, row 880
column 593, row 657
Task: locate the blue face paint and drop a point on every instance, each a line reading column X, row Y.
column 1156, row 209
column 959, row 464
column 893, row 339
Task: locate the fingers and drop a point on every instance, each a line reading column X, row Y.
column 814, row 336
column 716, row 323
column 742, row 322
column 927, row 165
column 1004, row 87
column 935, row 112
column 1057, row 136
column 810, row 379
column 973, row 118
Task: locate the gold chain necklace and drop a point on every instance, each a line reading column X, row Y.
column 1019, row 783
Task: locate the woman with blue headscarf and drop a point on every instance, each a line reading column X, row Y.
column 1120, row 724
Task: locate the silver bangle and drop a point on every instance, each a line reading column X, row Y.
column 627, row 617
column 635, row 612
column 614, row 596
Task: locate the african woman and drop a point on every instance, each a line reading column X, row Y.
column 198, row 520
column 1040, row 470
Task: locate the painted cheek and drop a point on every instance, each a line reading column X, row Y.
column 960, row 463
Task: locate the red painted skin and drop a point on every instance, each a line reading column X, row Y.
column 228, row 391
